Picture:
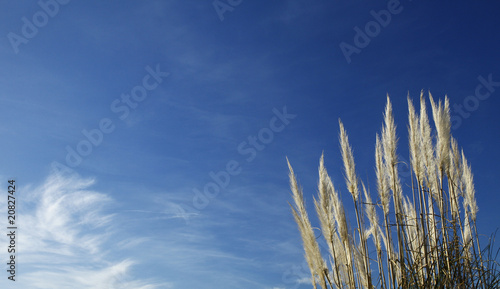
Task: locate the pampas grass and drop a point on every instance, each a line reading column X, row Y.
column 425, row 239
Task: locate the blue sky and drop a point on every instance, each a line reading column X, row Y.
column 140, row 105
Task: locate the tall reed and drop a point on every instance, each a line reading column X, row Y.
column 425, row 239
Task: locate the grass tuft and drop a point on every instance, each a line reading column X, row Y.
column 425, row 239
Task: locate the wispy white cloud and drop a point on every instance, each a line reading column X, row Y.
column 112, row 276
column 64, row 235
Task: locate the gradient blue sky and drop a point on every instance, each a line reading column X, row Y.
column 128, row 215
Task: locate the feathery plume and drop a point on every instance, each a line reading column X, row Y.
column 427, row 151
column 469, row 191
column 414, row 141
column 382, row 182
column 441, row 115
column 324, row 207
column 453, row 179
column 311, row 248
column 389, row 136
column 389, row 145
column 349, row 166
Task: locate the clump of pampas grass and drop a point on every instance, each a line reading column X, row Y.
column 425, row 239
